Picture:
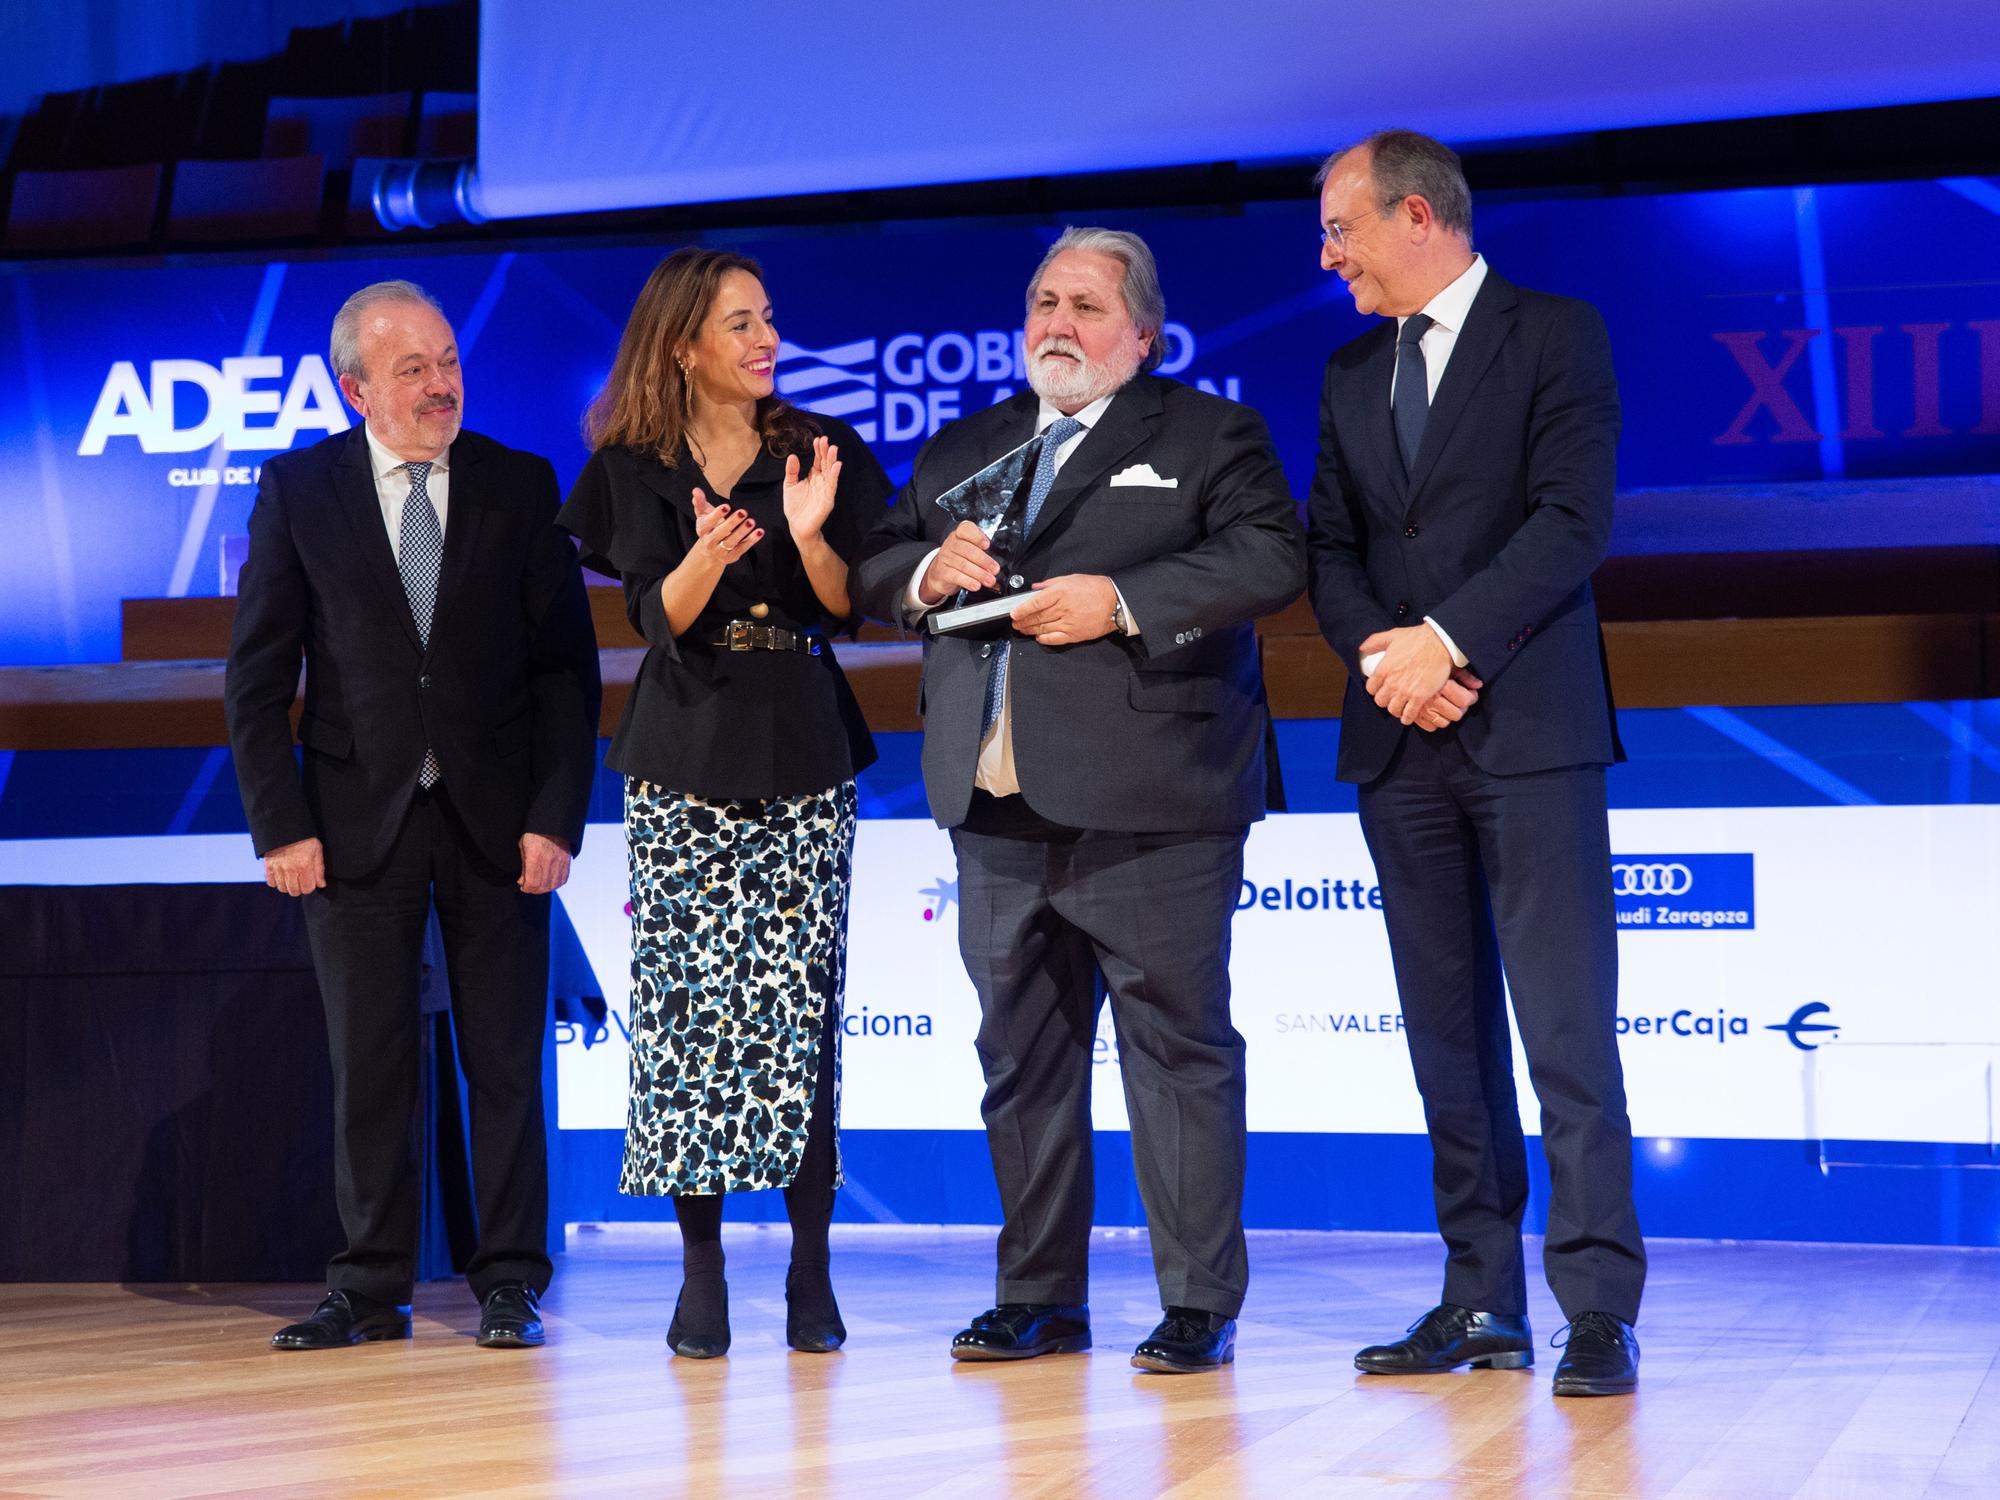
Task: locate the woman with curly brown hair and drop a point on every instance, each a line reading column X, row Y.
column 730, row 516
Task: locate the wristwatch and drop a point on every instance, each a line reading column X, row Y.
column 1120, row 621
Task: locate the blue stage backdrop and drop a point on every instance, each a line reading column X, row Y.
column 1762, row 339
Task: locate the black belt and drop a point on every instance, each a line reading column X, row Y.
column 742, row 635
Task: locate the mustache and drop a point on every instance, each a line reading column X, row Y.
column 443, row 403
column 1055, row 344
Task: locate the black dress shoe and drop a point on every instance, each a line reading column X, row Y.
column 1022, row 1330
column 344, row 1318
column 700, row 1326
column 1449, row 1336
column 1600, row 1359
column 511, row 1317
column 812, row 1317
column 1188, row 1340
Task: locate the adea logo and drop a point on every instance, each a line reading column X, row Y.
column 242, row 388
column 904, row 388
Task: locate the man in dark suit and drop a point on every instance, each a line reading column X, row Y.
column 1463, row 498
column 449, row 733
column 1099, row 759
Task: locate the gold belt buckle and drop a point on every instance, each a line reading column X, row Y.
column 737, row 635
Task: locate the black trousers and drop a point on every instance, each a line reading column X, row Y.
column 1051, row 919
column 367, row 940
column 1485, row 877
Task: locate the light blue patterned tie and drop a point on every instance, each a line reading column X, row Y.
column 1058, row 432
column 419, row 559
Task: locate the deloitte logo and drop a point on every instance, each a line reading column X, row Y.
column 902, row 389
column 1309, row 895
column 1681, row 892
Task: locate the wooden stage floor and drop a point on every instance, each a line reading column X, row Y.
column 1769, row 1370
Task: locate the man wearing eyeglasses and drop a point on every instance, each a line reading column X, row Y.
column 1463, row 498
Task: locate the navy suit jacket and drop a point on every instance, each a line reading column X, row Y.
column 506, row 692
column 1494, row 531
column 1164, row 731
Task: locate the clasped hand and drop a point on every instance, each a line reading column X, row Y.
column 1415, row 680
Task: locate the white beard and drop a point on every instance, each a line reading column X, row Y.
column 1061, row 383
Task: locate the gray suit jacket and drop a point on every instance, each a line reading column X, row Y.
column 1165, row 731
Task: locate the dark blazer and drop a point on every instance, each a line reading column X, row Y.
column 1494, row 533
column 506, row 694
column 1160, row 732
column 716, row 723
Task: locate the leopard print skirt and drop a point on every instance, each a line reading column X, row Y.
column 739, row 957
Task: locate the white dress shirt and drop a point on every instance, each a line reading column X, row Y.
column 392, row 488
column 1447, row 312
column 995, row 772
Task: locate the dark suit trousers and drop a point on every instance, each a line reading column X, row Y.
column 1483, row 874
column 367, row 939
column 1050, row 920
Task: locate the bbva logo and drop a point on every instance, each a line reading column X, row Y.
column 243, row 388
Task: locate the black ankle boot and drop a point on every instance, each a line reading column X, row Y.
column 700, row 1328
column 812, row 1317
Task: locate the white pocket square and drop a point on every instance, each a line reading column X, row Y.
column 1143, row 474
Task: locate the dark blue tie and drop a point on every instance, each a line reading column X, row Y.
column 418, row 559
column 1060, row 431
column 1412, row 403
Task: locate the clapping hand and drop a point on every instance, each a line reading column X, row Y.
column 722, row 535
column 809, row 501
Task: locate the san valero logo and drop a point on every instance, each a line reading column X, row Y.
column 903, row 388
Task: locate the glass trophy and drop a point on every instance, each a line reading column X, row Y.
column 995, row 500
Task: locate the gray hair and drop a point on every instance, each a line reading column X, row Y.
column 1405, row 164
column 1144, row 301
column 345, row 344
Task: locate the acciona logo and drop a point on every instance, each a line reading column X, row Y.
column 905, row 387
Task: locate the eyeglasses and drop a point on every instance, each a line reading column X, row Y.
column 1335, row 233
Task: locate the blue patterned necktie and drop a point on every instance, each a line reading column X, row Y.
column 1060, row 431
column 418, row 559
column 1412, row 403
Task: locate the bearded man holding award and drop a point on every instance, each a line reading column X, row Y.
column 1098, row 746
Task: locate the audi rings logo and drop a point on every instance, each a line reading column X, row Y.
column 1684, row 892
column 1660, row 879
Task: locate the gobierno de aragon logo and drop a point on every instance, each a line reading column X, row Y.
column 903, row 387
